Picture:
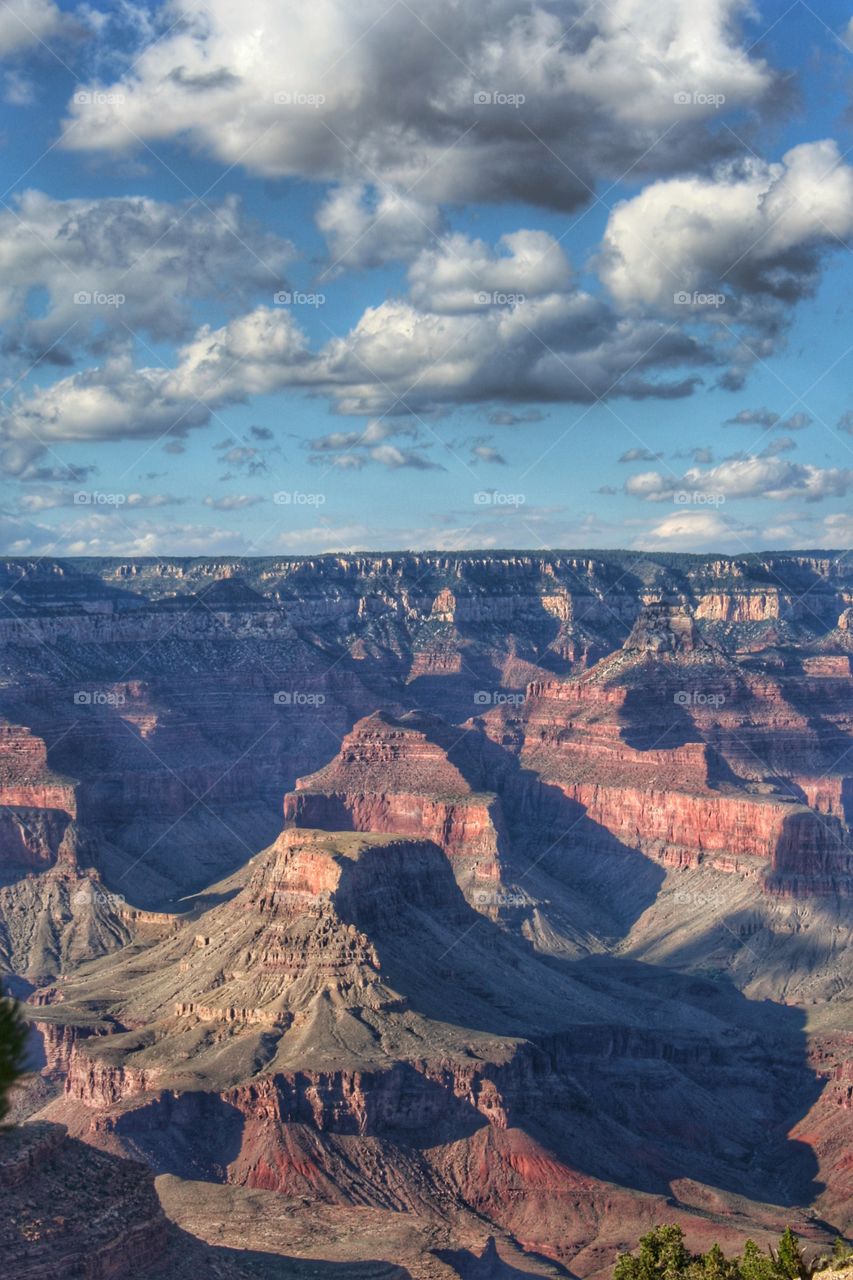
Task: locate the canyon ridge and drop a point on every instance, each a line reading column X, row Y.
column 426, row 915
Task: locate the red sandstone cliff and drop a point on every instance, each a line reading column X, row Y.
column 396, row 776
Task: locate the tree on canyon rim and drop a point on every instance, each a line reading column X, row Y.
column 13, row 1035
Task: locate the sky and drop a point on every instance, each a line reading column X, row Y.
column 283, row 278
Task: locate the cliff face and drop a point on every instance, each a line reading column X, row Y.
column 70, row 1211
column 397, row 776
column 677, row 750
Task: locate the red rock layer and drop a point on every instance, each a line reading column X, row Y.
column 396, row 776
column 675, row 750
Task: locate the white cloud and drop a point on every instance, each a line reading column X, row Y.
column 47, row 500
column 377, row 92
column 406, row 356
column 838, row 530
column 468, row 331
column 352, row 450
column 638, row 454
column 254, row 354
column 366, row 228
column 751, row 477
column 125, row 263
column 116, row 401
column 18, row 89
column 751, row 234
column 27, row 23
column 696, row 531
column 461, row 275
column 483, row 452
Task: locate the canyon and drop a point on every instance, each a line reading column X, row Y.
column 434, row 914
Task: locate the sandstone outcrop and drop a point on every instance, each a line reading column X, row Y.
column 396, row 775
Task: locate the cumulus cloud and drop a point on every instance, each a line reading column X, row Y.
column 481, row 451
column 701, row 454
column 365, row 227
column 248, row 455
column 695, row 530
column 116, row 401
column 254, row 354
column 442, row 345
column 460, row 275
column 751, row 477
column 469, row 332
column 428, row 103
column 797, row 422
column 739, row 246
column 25, row 24
column 119, row 264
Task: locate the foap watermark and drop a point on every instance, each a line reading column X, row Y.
column 98, row 698
column 497, row 298
column 697, row 498
column 500, row 898
column 98, row 98
column 95, row 498
column 497, row 98
column 88, row 897
column 697, row 698
column 293, row 298
column 296, row 498
column 684, row 298
column 688, row 898
column 98, row 298
column 286, row 98
column 497, row 698
column 491, row 498
column 698, row 98
column 298, row 698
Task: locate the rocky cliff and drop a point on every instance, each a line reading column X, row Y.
column 396, row 775
column 679, row 750
column 71, row 1211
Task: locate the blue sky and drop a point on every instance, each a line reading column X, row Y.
column 427, row 275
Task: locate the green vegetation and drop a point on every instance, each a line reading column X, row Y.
column 663, row 1256
column 13, row 1035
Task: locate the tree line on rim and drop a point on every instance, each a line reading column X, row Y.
column 663, row 1255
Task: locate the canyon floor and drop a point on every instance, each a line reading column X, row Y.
column 425, row 915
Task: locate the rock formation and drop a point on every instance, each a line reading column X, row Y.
column 555, row 943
